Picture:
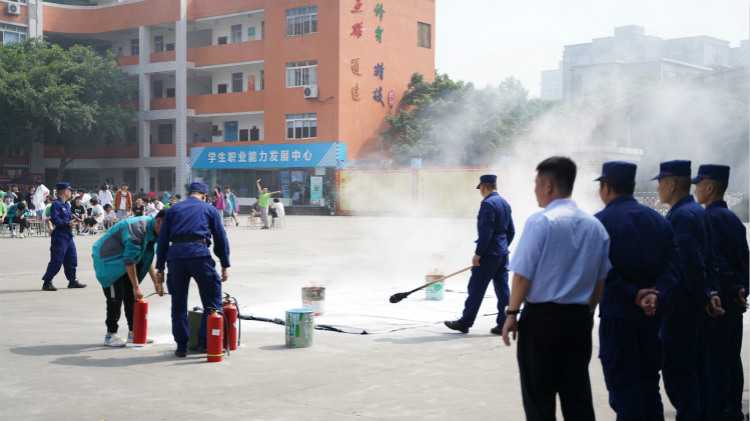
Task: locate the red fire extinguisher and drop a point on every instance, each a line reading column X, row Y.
column 230, row 313
column 214, row 338
column 140, row 322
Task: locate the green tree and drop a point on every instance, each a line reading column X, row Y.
column 69, row 98
column 452, row 123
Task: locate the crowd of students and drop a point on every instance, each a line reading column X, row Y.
column 93, row 211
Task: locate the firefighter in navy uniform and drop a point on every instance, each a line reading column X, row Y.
column 645, row 269
column 62, row 247
column 183, row 243
column 685, row 330
column 495, row 233
column 730, row 246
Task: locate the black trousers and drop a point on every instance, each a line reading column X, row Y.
column 119, row 293
column 554, row 351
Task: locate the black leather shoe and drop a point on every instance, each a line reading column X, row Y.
column 47, row 286
column 180, row 354
column 76, row 285
column 457, row 325
column 497, row 330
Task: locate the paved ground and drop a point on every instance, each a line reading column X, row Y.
column 53, row 366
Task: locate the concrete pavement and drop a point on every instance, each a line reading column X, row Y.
column 54, row 367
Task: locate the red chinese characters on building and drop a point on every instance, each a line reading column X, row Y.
column 357, row 6
column 357, row 29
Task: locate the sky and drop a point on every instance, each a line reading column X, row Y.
column 486, row 41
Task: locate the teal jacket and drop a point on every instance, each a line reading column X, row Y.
column 130, row 241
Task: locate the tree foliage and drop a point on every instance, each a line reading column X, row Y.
column 452, row 123
column 69, row 98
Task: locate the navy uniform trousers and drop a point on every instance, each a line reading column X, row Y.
column 62, row 254
column 679, row 336
column 203, row 270
column 492, row 268
column 629, row 353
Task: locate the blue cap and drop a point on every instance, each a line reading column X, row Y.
column 712, row 172
column 63, row 186
column 676, row 168
column 488, row 178
column 198, row 187
column 618, row 170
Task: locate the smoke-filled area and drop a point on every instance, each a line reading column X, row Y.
column 705, row 121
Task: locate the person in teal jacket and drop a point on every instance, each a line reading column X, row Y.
column 122, row 258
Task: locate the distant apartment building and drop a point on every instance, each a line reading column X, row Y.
column 631, row 54
column 231, row 91
column 552, row 84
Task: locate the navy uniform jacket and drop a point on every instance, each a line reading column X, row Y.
column 494, row 226
column 191, row 218
column 60, row 216
column 643, row 253
column 731, row 249
column 694, row 239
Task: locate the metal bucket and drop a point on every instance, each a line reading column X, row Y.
column 300, row 324
column 434, row 292
column 314, row 298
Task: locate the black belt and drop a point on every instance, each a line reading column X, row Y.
column 63, row 228
column 498, row 233
column 189, row 239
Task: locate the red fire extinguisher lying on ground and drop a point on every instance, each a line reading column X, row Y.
column 140, row 322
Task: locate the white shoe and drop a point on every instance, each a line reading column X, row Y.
column 21, row 236
column 13, row 234
column 84, row 233
column 114, row 341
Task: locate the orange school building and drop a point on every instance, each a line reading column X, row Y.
column 235, row 90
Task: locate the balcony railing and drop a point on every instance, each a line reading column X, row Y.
column 226, row 103
column 162, row 56
column 127, row 60
column 163, row 150
column 101, row 152
column 162, row 103
column 237, row 52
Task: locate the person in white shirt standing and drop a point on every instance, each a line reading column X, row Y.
column 105, row 195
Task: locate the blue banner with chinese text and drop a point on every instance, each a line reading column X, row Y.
column 267, row 156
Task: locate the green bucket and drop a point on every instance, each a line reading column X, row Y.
column 300, row 324
column 194, row 321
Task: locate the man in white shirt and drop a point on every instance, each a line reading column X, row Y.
column 105, row 195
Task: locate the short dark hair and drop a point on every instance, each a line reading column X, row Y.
column 619, row 187
column 160, row 214
column 682, row 182
column 178, row 196
column 719, row 186
column 489, row 186
column 125, row 183
column 561, row 171
column 275, row 200
column 107, row 206
column 94, row 202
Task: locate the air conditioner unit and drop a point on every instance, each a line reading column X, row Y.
column 311, row 91
column 13, row 9
column 17, row 152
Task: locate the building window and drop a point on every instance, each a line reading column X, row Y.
column 251, row 33
column 134, row 50
column 221, row 88
column 302, row 126
column 262, row 80
column 165, row 134
column 222, row 40
column 12, row 33
column 158, row 43
column 236, row 33
column 236, row 82
column 302, row 21
column 301, row 73
column 423, row 35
